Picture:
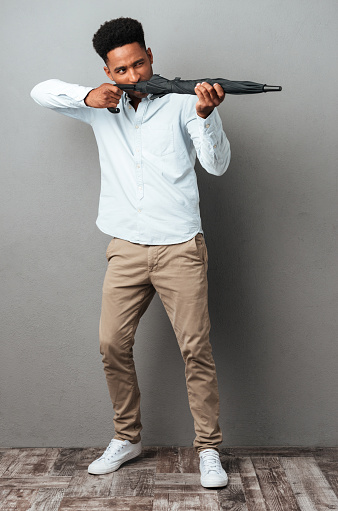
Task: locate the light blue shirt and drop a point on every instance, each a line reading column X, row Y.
column 149, row 191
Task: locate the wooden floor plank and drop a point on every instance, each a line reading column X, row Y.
column 311, row 488
column 161, row 501
column 16, row 499
column 209, row 502
column 9, row 457
column 67, row 461
column 252, row 490
column 328, row 464
column 275, row 451
column 168, row 479
column 32, row 462
column 170, row 501
column 168, row 460
column 112, row 503
column 232, row 497
column 179, row 483
column 147, row 458
column 188, row 460
column 83, row 484
column 47, row 499
column 177, row 460
column 132, row 482
column 184, row 502
column 274, row 484
column 35, row 482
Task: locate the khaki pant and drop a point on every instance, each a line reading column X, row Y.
column 179, row 274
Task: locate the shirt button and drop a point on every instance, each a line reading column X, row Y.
column 136, row 126
column 140, row 187
column 129, row 107
column 207, row 126
column 139, row 210
column 138, row 166
column 215, row 146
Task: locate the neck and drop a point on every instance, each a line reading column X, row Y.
column 135, row 103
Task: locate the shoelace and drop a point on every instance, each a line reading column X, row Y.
column 211, row 460
column 113, row 447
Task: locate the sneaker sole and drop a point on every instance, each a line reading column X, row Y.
column 117, row 464
column 216, row 484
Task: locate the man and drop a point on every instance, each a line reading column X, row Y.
column 149, row 205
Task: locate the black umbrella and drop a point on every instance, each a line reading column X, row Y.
column 159, row 86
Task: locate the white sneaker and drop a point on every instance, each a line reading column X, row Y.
column 212, row 472
column 117, row 452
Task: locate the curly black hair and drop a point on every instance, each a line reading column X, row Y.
column 115, row 33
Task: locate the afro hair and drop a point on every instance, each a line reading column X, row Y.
column 115, row 33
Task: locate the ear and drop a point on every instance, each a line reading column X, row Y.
column 150, row 55
column 106, row 70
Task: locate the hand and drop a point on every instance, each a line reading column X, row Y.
column 208, row 97
column 105, row 96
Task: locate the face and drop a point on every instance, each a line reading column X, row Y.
column 130, row 64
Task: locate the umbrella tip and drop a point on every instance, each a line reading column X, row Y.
column 271, row 88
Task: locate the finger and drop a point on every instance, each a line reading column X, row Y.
column 209, row 94
column 115, row 96
column 112, row 104
column 209, row 88
column 202, row 90
column 114, row 89
column 220, row 92
column 198, row 91
column 118, row 91
column 205, row 96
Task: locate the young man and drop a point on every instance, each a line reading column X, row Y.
column 149, row 205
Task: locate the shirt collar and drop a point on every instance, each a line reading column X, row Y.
column 126, row 99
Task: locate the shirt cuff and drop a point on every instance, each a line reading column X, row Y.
column 82, row 93
column 210, row 123
column 210, row 129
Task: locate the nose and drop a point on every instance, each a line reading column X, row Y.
column 134, row 76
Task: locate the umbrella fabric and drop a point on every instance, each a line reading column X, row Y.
column 159, row 86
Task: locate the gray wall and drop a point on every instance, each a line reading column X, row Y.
column 270, row 224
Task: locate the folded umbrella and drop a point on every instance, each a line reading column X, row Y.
column 159, row 86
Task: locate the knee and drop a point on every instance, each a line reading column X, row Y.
column 197, row 353
column 115, row 346
column 109, row 346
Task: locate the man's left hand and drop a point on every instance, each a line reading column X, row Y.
column 208, row 97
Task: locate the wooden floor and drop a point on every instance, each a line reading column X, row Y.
column 167, row 478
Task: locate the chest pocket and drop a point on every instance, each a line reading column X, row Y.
column 158, row 141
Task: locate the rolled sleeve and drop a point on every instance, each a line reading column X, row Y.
column 210, row 141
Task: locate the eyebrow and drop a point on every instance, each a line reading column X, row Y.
column 133, row 64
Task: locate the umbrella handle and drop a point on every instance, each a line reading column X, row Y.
column 125, row 86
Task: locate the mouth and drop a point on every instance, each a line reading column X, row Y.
column 137, row 93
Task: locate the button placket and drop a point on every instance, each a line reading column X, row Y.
column 140, row 112
column 141, row 109
column 137, row 153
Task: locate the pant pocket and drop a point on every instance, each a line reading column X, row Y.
column 110, row 248
column 201, row 247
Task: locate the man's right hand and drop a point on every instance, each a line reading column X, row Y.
column 105, row 96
